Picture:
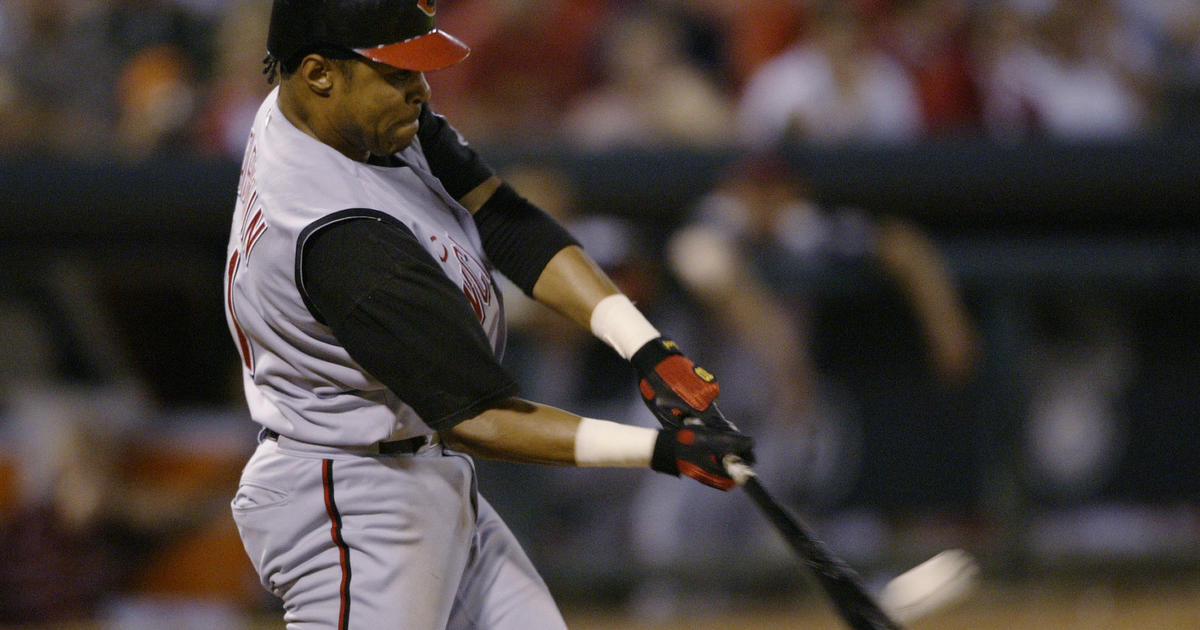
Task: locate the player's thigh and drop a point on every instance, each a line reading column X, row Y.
column 407, row 523
column 273, row 490
column 501, row 589
column 379, row 542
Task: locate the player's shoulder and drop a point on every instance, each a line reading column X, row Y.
column 295, row 172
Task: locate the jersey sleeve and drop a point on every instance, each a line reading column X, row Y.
column 398, row 315
column 451, row 159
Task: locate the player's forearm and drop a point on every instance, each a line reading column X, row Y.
column 573, row 284
column 532, row 433
column 517, row 430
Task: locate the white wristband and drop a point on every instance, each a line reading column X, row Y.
column 619, row 323
column 605, row 443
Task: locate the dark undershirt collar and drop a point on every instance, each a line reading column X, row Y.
column 385, row 160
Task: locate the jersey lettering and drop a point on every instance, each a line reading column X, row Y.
column 249, row 166
column 476, row 281
column 477, row 285
column 253, row 227
column 243, row 342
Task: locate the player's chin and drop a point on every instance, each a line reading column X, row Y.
column 402, row 135
column 394, row 144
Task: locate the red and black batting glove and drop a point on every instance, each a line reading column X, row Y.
column 673, row 387
column 697, row 451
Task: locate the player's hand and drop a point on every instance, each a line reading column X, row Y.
column 674, row 387
column 697, row 451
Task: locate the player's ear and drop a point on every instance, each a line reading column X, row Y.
column 318, row 72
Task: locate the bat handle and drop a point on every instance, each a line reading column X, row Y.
column 738, row 469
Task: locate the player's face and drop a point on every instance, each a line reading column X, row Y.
column 380, row 105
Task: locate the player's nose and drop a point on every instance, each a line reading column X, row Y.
column 417, row 89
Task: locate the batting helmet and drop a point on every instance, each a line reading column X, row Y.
column 399, row 33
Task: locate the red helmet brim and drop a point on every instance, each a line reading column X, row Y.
column 432, row 51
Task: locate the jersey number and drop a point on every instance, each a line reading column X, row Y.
column 251, row 231
column 243, row 343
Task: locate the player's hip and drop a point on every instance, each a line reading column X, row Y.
column 297, row 476
column 293, row 510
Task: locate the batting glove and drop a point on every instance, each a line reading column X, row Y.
column 697, row 452
column 675, row 388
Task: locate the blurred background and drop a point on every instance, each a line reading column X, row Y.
column 943, row 255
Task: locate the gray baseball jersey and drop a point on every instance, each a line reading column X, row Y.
column 347, row 536
column 299, row 381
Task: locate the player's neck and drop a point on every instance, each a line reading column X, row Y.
column 303, row 116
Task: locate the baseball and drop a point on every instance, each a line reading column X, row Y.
column 930, row 586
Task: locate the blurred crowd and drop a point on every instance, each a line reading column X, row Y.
column 133, row 78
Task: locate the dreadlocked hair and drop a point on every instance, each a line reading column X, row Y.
column 271, row 68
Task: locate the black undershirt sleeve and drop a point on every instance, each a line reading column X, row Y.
column 399, row 316
column 518, row 237
column 450, row 158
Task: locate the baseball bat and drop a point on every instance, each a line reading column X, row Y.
column 840, row 582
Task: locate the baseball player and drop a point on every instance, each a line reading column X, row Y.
column 360, row 295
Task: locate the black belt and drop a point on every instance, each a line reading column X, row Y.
column 395, row 447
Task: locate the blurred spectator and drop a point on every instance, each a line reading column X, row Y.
column 237, row 87
column 760, row 254
column 94, row 493
column 836, row 85
column 1173, row 27
column 1067, row 73
column 133, row 25
column 82, row 77
column 156, row 101
column 762, row 218
column 1081, row 363
column 64, row 552
column 529, row 58
column 1177, row 26
column 931, row 38
column 166, row 50
column 651, row 93
column 99, row 510
column 66, row 542
column 751, row 37
column 57, row 67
